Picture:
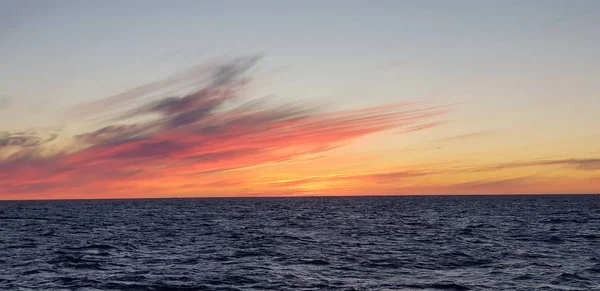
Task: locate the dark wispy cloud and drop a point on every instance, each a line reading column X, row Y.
column 211, row 129
column 486, row 186
column 112, row 134
column 588, row 164
column 478, row 134
column 492, row 183
column 210, row 75
column 27, row 138
column 421, row 127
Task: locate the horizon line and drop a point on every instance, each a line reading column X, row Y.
column 295, row 196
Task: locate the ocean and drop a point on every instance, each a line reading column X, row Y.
column 352, row 243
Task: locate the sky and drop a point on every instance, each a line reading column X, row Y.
column 136, row 99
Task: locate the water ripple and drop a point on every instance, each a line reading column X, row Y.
column 384, row 243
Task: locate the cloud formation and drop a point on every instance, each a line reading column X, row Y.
column 26, row 139
column 471, row 135
column 368, row 179
column 178, row 139
column 587, row 164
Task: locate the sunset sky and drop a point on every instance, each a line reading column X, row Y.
column 127, row 99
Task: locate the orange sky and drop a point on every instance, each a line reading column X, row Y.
column 213, row 140
column 103, row 99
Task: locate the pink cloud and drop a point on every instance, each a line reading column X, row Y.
column 210, row 130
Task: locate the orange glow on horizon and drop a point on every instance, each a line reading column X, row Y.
column 213, row 143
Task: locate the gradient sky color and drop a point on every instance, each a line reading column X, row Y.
column 363, row 97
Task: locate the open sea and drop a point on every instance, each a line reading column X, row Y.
column 357, row 243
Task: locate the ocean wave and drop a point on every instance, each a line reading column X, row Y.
column 429, row 243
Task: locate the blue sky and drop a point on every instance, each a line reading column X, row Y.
column 517, row 58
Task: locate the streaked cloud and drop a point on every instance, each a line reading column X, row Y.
column 470, row 135
column 27, row 138
column 586, row 164
column 181, row 138
column 485, row 185
column 368, row 178
column 209, row 74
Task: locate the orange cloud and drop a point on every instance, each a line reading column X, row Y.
column 210, row 140
column 586, row 164
column 172, row 145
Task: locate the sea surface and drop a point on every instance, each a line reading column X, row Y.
column 367, row 243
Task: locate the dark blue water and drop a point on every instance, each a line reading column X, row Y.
column 385, row 243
